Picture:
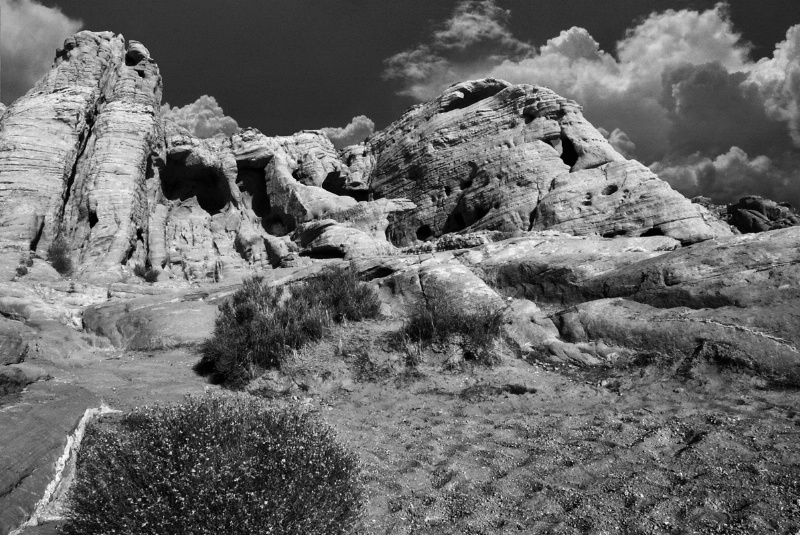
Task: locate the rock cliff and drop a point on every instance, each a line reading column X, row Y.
column 85, row 156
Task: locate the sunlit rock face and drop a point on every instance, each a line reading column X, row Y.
column 86, row 157
column 487, row 154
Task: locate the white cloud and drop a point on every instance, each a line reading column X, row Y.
column 204, row 118
column 30, row 34
column 473, row 39
column 356, row 131
column 680, row 89
column 732, row 175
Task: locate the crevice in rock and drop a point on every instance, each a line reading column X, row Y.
column 473, row 97
column 377, row 273
column 83, row 142
column 35, row 240
column 92, row 218
column 324, row 253
column 568, row 153
column 614, row 233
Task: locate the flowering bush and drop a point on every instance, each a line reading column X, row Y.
column 260, row 324
column 216, row 464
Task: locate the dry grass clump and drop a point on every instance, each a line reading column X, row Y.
column 440, row 319
column 148, row 274
column 214, row 464
column 261, row 325
column 59, row 257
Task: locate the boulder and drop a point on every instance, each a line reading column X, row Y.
column 551, row 267
column 730, row 337
column 756, row 214
column 741, row 271
column 328, row 239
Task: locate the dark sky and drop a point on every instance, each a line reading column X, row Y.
column 287, row 65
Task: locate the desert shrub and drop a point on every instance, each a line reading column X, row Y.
column 260, row 325
column 139, row 270
column 22, row 271
column 214, row 464
column 341, row 292
column 59, row 257
column 148, row 274
column 440, row 319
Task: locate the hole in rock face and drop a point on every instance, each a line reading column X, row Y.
column 415, row 173
column 448, row 190
column 92, row 218
column 473, row 97
column 180, row 182
column 252, row 183
column 480, row 212
column 610, row 189
column 568, row 153
column 324, row 253
column 424, row 232
column 455, row 222
column 614, row 233
column 655, row 231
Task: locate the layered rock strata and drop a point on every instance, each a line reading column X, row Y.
column 85, row 156
column 487, row 154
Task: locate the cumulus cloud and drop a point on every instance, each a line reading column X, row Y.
column 204, row 118
column 473, row 39
column 732, row 175
column 30, row 33
column 356, row 131
column 680, row 92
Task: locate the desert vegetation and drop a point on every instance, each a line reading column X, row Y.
column 149, row 274
column 260, row 325
column 58, row 255
column 440, row 319
column 214, row 464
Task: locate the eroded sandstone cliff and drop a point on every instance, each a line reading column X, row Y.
column 86, row 156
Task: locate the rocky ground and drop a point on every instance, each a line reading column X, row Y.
column 522, row 447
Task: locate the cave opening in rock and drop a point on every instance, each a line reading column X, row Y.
column 455, row 222
column 253, row 185
column 337, row 183
column 568, row 153
column 181, row 182
column 655, row 231
column 424, row 232
column 92, row 218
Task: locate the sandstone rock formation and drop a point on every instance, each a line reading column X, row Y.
column 756, row 214
column 496, row 195
column 491, row 155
